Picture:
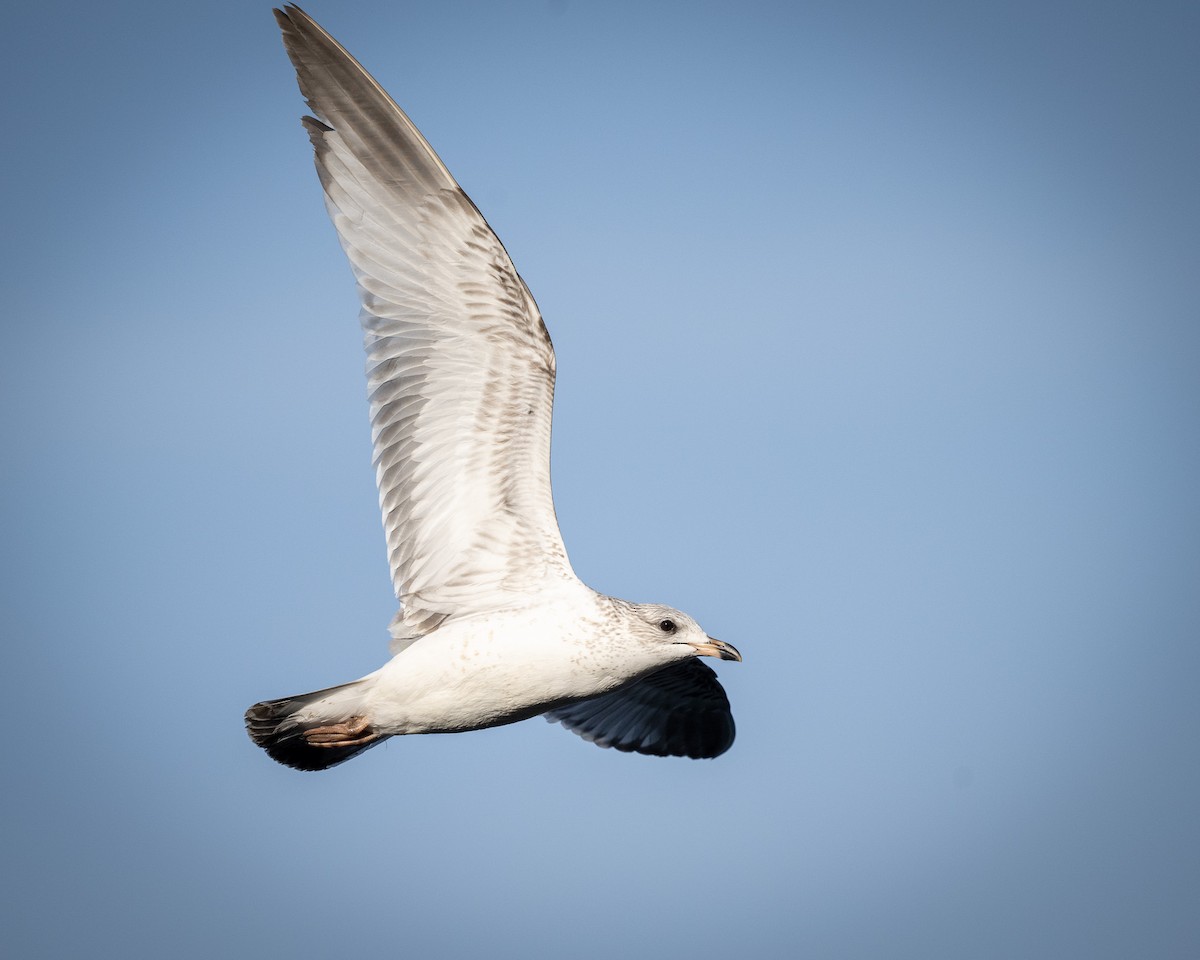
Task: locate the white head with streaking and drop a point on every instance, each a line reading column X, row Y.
column 494, row 626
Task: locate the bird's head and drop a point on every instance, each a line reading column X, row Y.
column 673, row 635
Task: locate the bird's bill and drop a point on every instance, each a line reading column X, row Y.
column 717, row 648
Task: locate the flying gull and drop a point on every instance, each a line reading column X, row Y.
column 494, row 626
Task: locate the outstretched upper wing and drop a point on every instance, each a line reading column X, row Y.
column 680, row 711
column 460, row 366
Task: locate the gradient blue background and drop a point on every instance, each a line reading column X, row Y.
column 878, row 329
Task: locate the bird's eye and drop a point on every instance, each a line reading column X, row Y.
column 666, row 626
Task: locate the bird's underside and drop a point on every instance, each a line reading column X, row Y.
column 679, row 711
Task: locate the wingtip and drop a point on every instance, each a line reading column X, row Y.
column 293, row 21
column 287, row 11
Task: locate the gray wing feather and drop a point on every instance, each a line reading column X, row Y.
column 680, row 711
column 460, row 367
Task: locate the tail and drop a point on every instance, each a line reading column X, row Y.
column 314, row 731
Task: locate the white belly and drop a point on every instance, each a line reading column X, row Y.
column 469, row 675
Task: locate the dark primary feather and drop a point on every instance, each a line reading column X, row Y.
column 344, row 96
column 681, row 711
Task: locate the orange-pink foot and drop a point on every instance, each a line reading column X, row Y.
column 355, row 732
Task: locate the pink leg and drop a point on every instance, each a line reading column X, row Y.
column 353, row 733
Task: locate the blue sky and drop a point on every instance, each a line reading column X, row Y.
column 878, row 330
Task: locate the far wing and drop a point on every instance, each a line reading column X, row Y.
column 460, row 366
column 680, row 711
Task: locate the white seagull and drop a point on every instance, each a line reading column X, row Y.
column 494, row 626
